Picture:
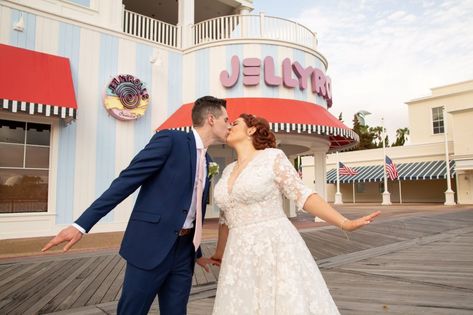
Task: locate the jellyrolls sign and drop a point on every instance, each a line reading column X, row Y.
column 126, row 97
column 294, row 75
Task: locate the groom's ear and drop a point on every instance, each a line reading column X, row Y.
column 211, row 119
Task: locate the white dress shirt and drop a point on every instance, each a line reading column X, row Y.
column 189, row 223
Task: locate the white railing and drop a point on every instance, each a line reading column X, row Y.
column 151, row 29
column 252, row 27
column 221, row 28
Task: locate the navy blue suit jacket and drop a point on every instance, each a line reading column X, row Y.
column 165, row 171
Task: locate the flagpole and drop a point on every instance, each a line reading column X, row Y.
column 400, row 192
column 449, row 194
column 386, row 194
column 338, row 194
column 354, row 192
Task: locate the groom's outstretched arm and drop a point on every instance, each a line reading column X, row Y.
column 144, row 164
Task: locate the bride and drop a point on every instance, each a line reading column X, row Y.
column 266, row 268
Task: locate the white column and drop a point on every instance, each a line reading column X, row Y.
column 320, row 175
column 338, row 194
column 449, row 193
column 243, row 10
column 320, row 171
column 186, row 19
column 386, row 194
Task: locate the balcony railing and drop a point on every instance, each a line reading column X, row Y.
column 217, row 29
column 151, row 29
column 252, row 27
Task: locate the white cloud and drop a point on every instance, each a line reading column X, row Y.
column 381, row 56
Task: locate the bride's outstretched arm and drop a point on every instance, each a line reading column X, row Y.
column 320, row 208
column 293, row 188
column 221, row 242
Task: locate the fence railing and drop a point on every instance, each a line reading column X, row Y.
column 151, row 29
column 252, row 27
column 221, row 28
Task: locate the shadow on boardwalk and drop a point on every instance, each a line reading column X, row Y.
column 409, row 262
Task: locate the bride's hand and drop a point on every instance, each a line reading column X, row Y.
column 351, row 225
column 216, row 257
column 204, row 262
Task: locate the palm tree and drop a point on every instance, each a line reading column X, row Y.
column 401, row 137
column 377, row 133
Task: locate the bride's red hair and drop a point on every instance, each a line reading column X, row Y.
column 263, row 137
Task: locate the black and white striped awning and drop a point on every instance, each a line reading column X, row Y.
column 36, row 108
column 36, row 83
column 407, row 171
column 284, row 116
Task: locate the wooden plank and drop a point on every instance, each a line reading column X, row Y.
column 429, row 260
column 39, row 286
column 55, row 290
column 104, row 281
column 117, row 283
column 67, row 298
column 92, row 282
column 18, row 279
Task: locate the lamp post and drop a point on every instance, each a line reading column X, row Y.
column 449, row 193
column 386, row 194
column 360, row 115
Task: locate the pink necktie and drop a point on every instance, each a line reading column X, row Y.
column 198, row 206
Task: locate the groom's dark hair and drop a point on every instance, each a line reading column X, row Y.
column 204, row 106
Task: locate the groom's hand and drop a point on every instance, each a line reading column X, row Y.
column 204, row 262
column 71, row 235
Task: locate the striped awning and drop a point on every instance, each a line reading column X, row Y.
column 36, row 83
column 407, row 171
column 284, row 116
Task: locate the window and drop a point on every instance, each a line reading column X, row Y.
column 381, row 187
column 84, row 3
column 437, row 120
column 360, row 187
column 24, row 166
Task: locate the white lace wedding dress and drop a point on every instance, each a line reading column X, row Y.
column 266, row 268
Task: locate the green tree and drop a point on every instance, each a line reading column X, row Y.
column 401, row 137
column 366, row 137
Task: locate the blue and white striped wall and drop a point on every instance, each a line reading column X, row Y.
column 90, row 152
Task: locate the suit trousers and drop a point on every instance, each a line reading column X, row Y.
column 171, row 281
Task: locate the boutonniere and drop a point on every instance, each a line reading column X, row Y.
column 213, row 169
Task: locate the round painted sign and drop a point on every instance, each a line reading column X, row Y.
column 126, row 97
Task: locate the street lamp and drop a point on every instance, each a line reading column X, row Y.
column 449, row 193
column 360, row 115
column 386, row 194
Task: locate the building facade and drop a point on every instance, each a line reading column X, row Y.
column 421, row 164
column 134, row 67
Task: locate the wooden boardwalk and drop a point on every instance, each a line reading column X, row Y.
column 414, row 264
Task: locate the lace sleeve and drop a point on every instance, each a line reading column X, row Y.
column 289, row 182
column 222, row 219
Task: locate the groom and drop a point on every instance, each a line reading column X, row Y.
column 160, row 244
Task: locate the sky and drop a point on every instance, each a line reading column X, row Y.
column 382, row 53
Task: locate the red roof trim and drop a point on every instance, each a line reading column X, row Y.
column 37, row 78
column 284, row 116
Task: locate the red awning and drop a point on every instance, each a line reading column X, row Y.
column 36, row 83
column 284, row 115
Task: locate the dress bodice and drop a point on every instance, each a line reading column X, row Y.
column 256, row 194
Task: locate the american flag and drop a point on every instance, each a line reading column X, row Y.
column 391, row 169
column 345, row 170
